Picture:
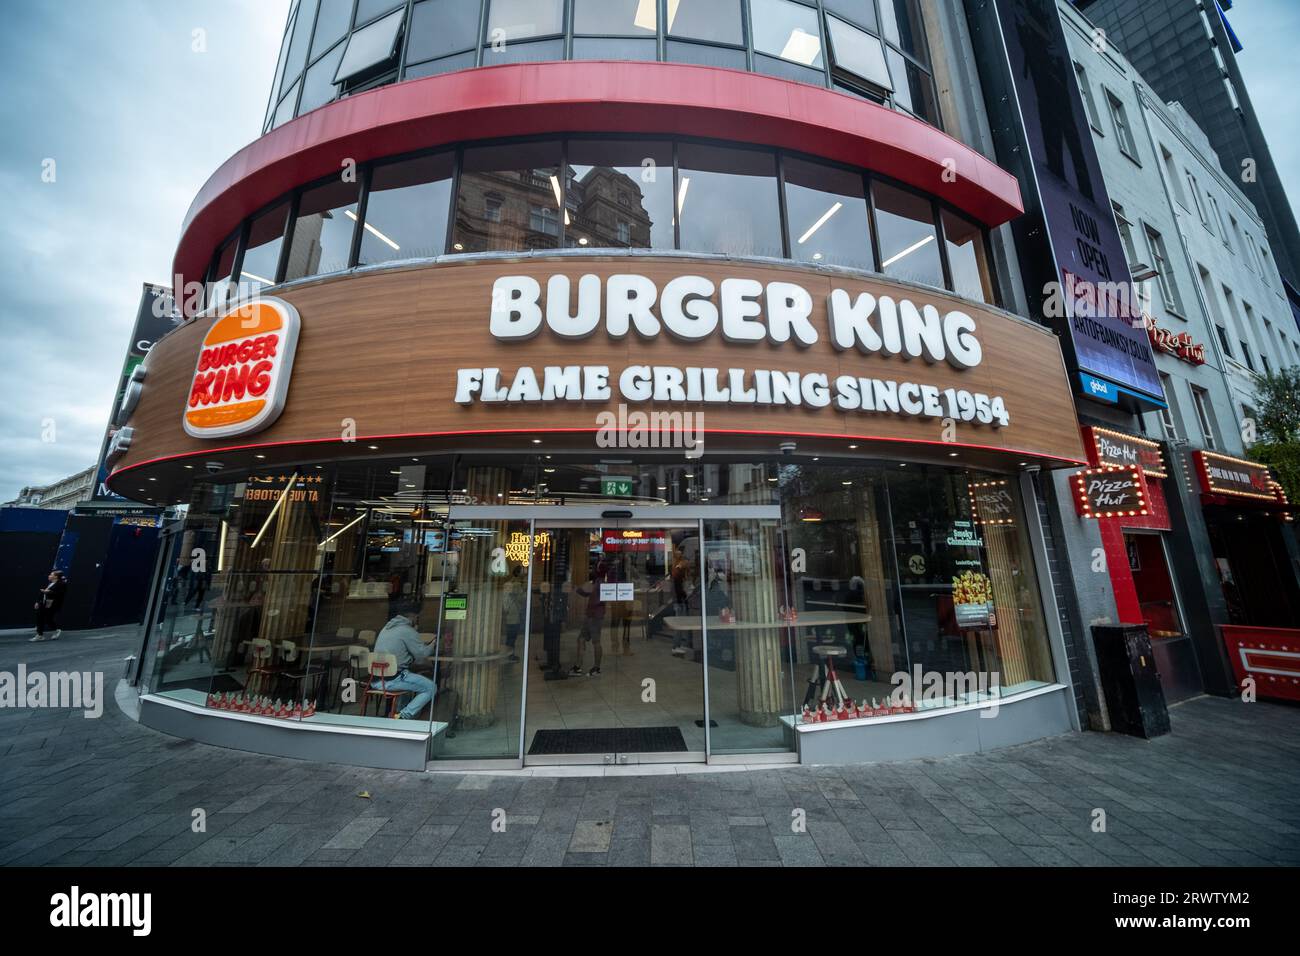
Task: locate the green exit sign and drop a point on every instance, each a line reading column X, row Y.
column 616, row 487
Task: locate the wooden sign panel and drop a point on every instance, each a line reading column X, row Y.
column 573, row 343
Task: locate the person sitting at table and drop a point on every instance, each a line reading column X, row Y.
column 400, row 638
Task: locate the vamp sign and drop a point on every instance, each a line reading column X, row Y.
column 242, row 376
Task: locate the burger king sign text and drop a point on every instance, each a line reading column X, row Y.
column 242, row 376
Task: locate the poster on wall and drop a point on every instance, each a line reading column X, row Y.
column 1105, row 338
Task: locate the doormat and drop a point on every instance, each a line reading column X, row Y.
column 605, row 740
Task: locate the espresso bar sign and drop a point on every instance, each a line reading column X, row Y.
column 1224, row 475
column 1110, row 492
column 1115, row 449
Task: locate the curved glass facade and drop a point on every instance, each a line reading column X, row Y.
column 906, row 570
column 607, row 193
column 876, row 49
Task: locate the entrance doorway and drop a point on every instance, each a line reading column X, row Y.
column 1157, row 595
column 616, row 651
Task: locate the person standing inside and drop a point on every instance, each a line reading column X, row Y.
column 593, row 622
column 512, row 609
column 48, row 604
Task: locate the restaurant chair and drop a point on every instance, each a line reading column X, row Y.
column 382, row 668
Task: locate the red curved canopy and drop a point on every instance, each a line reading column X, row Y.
column 589, row 96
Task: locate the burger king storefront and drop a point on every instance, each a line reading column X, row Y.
column 634, row 516
column 745, row 470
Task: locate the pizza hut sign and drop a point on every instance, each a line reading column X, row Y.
column 1110, row 492
column 1178, row 345
column 242, row 374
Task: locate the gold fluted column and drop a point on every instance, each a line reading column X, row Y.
column 760, row 670
column 1009, row 636
column 476, row 682
column 871, row 555
column 292, row 549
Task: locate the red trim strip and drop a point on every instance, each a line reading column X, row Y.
column 590, row 96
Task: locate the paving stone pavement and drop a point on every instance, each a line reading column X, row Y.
column 1220, row 790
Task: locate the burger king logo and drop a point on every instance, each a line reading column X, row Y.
column 242, row 375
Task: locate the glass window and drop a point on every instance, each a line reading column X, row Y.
column 788, row 30
column 967, row 257
column 705, row 55
column 318, row 85
column 367, row 10
column 297, row 58
column 1125, row 234
column 625, row 18
column 371, row 48
column 279, row 68
column 536, row 51
column 1169, row 414
column 861, row 12
column 440, row 27
column 406, row 210
column 219, row 274
column 861, row 54
column 1089, row 104
column 967, row 582
column 751, row 675
column 913, row 88
column 504, row 194
column 284, row 112
column 335, row 17
column 1160, row 261
column 447, row 64
column 620, row 194
column 1205, row 415
column 826, row 208
column 902, row 24
column 512, row 20
column 608, row 48
column 262, row 254
column 905, row 226
column 322, row 233
column 1119, row 117
column 715, row 21
column 727, row 201
column 1223, row 340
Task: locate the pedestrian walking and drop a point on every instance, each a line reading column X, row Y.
column 48, row 604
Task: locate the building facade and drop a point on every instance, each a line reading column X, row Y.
column 1186, row 51
column 1216, row 313
column 62, row 495
column 675, row 401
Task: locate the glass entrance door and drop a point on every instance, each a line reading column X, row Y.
column 616, row 655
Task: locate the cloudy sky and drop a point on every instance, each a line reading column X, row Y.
column 136, row 116
column 135, row 119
